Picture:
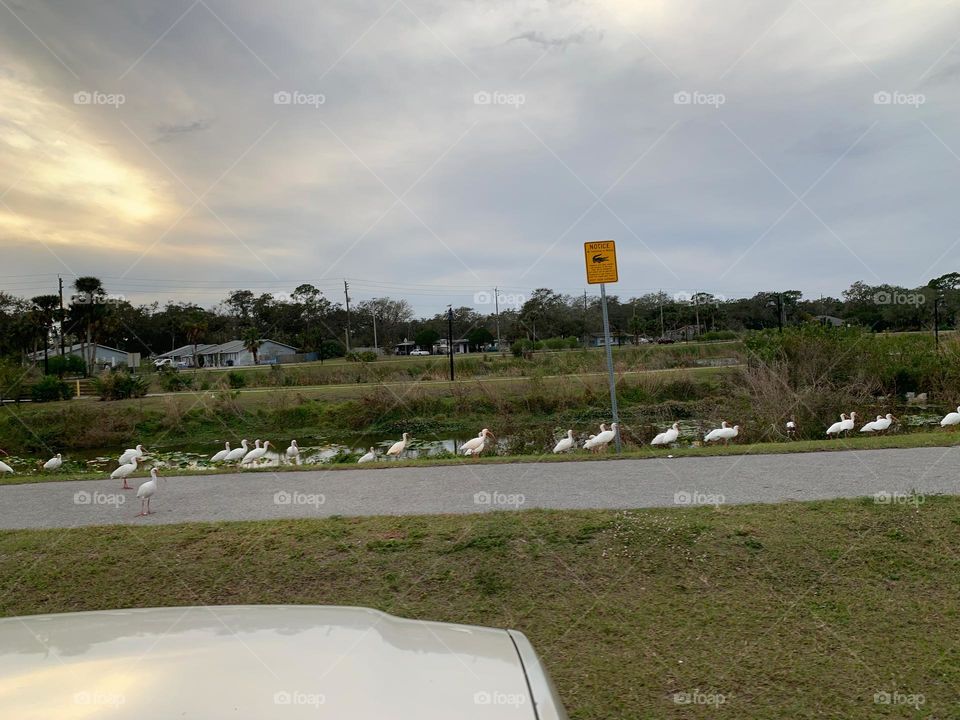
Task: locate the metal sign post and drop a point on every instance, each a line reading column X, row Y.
column 601, row 261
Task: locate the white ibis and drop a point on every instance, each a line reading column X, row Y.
column 475, row 446
column 837, row 427
column 848, row 423
column 222, row 455
column 53, row 463
column 729, row 433
column 601, row 441
column 125, row 471
column 565, row 444
column 293, row 452
column 237, row 453
column 146, row 491
column 131, row 453
column 4, row 468
column 397, row 449
column 668, row 436
column 716, row 433
column 882, row 424
column 951, row 419
column 255, row 454
column 791, row 429
column 591, row 443
column 368, row 456
column 872, row 425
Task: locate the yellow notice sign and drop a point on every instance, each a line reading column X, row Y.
column 601, row 259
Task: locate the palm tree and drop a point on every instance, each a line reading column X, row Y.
column 88, row 306
column 252, row 343
column 45, row 308
column 195, row 330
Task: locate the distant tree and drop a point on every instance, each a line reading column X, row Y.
column 478, row 337
column 195, row 330
column 88, row 307
column 426, row 338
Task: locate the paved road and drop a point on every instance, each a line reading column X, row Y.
column 470, row 488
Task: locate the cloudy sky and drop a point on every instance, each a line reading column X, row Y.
column 179, row 148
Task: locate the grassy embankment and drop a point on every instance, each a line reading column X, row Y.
column 789, row 611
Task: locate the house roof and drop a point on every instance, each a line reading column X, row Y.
column 76, row 347
column 202, row 348
column 231, row 346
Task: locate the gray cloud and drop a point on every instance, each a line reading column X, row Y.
column 541, row 39
column 169, row 131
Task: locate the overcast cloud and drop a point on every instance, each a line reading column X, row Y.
column 181, row 148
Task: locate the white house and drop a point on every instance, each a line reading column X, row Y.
column 230, row 354
column 103, row 355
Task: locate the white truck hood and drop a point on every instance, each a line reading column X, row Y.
column 261, row 662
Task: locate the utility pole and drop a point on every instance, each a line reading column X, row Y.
column 660, row 302
column 496, row 305
column 346, row 294
column 610, row 377
column 373, row 312
column 936, row 320
column 696, row 311
column 450, row 337
column 63, row 321
column 779, row 312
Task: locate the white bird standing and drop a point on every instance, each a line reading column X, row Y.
column 872, row 425
column 237, row 453
column 398, row 448
column 716, row 433
column 951, row 419
column 475, row 446
column 601, row 441
column 882, row 424
column 728, row 434
column 255, row 454
column 125, row 471
column 54, row 463
column 849, row 422
column 791, row 429
column 293, row 452
column 146, row 491
column 368, row 457
column 131, row 453
column 668, row 436
column 4, row 468
column 591, row 443
column 565, row 444
column 222, row 455
column 837, row 427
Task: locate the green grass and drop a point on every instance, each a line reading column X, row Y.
column 789, row 611
column 878, row 442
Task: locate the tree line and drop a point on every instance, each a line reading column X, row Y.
column 311, row 322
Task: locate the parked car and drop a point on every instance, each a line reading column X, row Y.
column 665, row 341
column 163, row 362
column 419, row 352
column 268, row 661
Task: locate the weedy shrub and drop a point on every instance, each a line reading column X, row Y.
column 119, row 385
column 51, row 388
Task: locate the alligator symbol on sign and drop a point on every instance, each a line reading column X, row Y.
column 599, row 258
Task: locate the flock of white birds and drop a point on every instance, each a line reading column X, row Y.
column 244, row 455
